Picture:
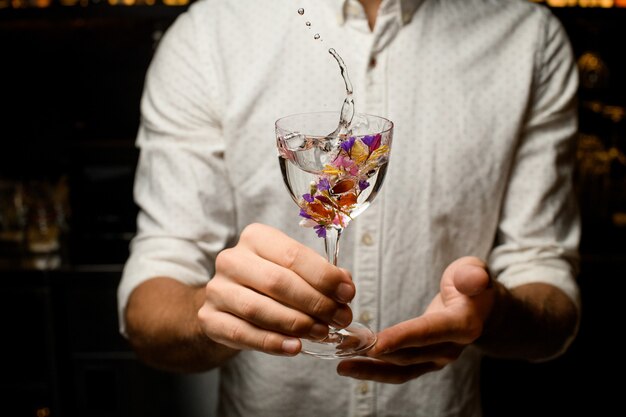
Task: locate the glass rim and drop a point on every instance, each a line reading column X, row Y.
column 338, row 113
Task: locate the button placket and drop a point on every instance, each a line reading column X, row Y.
column 366, row 271
column 363, row 399
column 367, row 250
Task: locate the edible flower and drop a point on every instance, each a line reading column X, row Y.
column 335, row 193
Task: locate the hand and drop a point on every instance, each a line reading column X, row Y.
column 270, row 290
column 454, row 319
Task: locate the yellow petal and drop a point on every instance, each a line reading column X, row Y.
column 359, row 152
column 380, row 152
column 331, row 170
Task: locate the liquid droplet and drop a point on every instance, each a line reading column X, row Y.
column 308, row 24
column 300, row 11
column 316, row 36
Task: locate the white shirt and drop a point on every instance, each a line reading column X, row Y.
column 482, row 96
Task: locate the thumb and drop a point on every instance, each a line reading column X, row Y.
column 471, row 279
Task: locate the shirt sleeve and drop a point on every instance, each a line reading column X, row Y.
column 186, row 210
column 539, row 230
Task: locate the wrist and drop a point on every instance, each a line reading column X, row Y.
column 533, row 321
column 502, row 300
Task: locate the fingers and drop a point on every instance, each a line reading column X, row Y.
column 429, row 342
column 280, row 249
column 378, row 371
column 440, row 354
column 429, row 329
column 262, row 311
column 235, row 333
column 403, row 365
column 248, row 271
column 270, row 290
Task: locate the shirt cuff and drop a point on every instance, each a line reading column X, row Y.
column 555, row 272
column 153, row 257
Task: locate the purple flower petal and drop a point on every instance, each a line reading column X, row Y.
column 347, row 144
column 320, row 230
column 304, row 214
column 363, row 185
column 308, row 197
column 368, row 140
column 372, row 141
column 323, row 184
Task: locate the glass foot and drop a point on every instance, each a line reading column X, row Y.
column 354, row 340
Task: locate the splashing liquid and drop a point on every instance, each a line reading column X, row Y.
column 347, row 109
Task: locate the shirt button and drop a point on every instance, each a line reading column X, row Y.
column 365, row 317
column 363, row 388
column 372, row 63
column 367, row 239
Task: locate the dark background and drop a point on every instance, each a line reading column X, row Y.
column 70, row 85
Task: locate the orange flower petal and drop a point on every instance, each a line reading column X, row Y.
column 319, row 209
column 344, row 186
column 347, row 200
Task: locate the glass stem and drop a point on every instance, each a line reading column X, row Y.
column 331, row 244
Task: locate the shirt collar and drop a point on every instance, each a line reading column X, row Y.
column 404, row 9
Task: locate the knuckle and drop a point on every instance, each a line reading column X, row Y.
column 321, row 307
column 267, row 343
column 291, row 254
column 204, row 314
column 213, row 293
column 225, row 259
column 236, row 334
column 298, row 326
column 250, row 311
column 215, row 328
column 324, row 279
column 250, row 231
column 209, row 327
column 209, row 289
column 273, row 281
column 264, row 342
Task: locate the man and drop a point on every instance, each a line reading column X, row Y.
column 470, row 249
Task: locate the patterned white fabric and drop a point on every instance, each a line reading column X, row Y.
column 482, row 96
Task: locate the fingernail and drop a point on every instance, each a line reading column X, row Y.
column 344, row 292
column 291, row 346
column 318, row 331
column 341, row 318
